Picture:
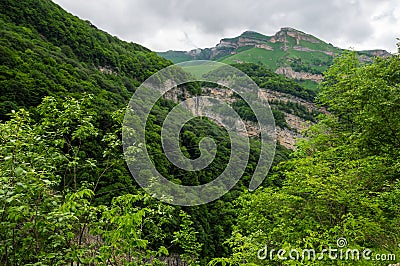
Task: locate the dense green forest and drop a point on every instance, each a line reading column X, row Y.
column 343, row 180
column 67, row 197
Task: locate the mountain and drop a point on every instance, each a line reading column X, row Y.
column 68, row 198
column 46, row 51
column 49, row 52
column 290, row 52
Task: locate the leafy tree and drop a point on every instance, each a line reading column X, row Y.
column 343, row 180
column 366, row 100
column 46, row 219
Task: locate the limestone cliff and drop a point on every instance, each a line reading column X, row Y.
column 285, row 136
column 290, row 73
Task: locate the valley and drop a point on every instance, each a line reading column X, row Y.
column 68, row 188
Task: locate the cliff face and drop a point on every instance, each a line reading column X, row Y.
column 281, row 36
column 286, row 136
column 250, row 38
column 378, row 53
column 290, row 73
column 241, row 41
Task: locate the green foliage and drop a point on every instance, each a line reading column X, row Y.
column 315, row 66
column 213, row 229
column 90, row 75
column 47, row 52
column 187, row 239
column 367, row 101
column 244, row 110
column 343, row 180
column 267, row 79
column 93, row 46
column 296, row 109
column 66, row 196
column 48, row 210
column 176, row 56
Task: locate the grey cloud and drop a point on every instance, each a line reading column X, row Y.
column 352, row 21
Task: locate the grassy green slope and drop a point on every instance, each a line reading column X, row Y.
column 257, row 56
column 315, row 60
column 176, row 56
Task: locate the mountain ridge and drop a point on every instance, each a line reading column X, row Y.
column 290, row 52
column 259, row 38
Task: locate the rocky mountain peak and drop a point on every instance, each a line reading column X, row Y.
column 289, row 52
column 284, row 33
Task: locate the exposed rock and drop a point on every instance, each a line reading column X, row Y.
column 288, row 39
column 248, row 42
column 290, row 73
column 297, row 123
column 287, row 138
column 173, row 260
column 281, row 36
column 195, row 52
column 243, row 41
column 265, row 46
column 107, row 70
column 269, row 95
column 378, row 53
column 299, row 35
column 306, row 49
column 364, row 59
column 224, row 43
column 222, row 94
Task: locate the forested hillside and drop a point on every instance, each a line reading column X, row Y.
column 46, row 51
column 343, row 182
column 68, row 198
column 61, row 155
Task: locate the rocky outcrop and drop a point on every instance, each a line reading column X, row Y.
column 298, row 35
column 288, row 137
column 226, row 43
column 195, row 52
column 367, row 56
column 269, row 95
column 222, row 94
column 285, row 136
column 377, row 53
column 306, row 49
column 264, row 46
column 281, row 36
column 287, row 39
column 297, row 123
column 242, row 42
column 290, row 73
column 107, row 70
column 173, row 260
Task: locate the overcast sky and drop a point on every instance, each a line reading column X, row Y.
column 187, row 24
